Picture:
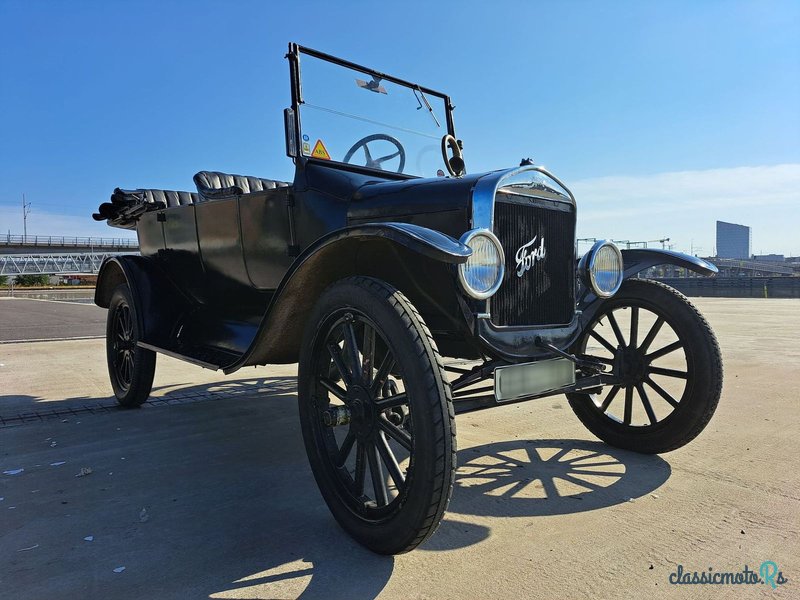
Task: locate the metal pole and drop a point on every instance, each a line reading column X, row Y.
column 26, row 209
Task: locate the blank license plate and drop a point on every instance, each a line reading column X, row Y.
column 530, row 379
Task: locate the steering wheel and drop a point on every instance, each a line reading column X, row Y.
column 375, row 163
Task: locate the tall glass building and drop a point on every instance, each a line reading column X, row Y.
column 733, row 241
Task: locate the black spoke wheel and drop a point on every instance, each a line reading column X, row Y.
column 130, row 367
column 377, row 415
column 666, row 366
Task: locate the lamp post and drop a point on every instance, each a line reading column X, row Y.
column 26, row 210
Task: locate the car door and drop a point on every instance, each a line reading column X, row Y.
column 265, row 235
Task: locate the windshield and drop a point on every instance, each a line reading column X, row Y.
column 355, row 117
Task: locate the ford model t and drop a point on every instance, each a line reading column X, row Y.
column 408, row 291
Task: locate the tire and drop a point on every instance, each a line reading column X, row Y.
column 685, row 414
column 400, row 510
column 130, row 367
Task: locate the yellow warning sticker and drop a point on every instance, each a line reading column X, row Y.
column 319, row 151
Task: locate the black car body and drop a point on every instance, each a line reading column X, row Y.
column 230, row 276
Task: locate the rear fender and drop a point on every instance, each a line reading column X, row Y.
column 416, row 260
column 157, row 301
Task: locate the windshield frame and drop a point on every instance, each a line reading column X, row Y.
column 292, row 116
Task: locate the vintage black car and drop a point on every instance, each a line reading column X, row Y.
column 408, row 291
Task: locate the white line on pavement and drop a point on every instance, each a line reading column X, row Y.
column 60, row 339
column 45, row 300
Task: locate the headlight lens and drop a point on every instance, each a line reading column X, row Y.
column 605, row 269
column 483, row 272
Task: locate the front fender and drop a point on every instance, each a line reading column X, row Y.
column 416, row 260
column 430, row 243
column 639, row 259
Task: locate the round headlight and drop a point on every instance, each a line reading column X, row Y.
column 483, row 272
column 605, row 268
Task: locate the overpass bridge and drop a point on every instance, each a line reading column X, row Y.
column 734, row 267
column 58, row 244
column 71, row 263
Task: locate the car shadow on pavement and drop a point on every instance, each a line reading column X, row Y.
column 26, row 408
column 551, row 477
column 216, row 499
column 228, row 387
column 199, row 499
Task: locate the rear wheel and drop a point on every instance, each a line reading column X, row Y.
column 130, row 367
column 377, row 415
column 668, row 367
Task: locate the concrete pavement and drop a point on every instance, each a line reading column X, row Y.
column 206, row 493
column 24, row 319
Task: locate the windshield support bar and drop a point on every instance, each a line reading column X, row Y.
column 297, row 89
column 295, row 49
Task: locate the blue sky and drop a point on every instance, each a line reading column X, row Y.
column 661, row 116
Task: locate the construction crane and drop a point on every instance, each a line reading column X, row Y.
column 643, row 243
column 663, row 242
column 631, row 244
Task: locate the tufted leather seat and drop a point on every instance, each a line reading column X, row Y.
column 213, row 184
column 169, row 198
column 159, row 198
column 127, row 206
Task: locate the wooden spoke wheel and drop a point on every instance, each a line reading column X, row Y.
column 377, row 415
column 666, row 363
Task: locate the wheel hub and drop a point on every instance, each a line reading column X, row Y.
column 362, row 411
column 631, row 365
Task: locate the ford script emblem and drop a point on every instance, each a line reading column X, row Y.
column 528, row 254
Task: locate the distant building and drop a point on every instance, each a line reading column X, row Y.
column 776, row 258
column 733, row 241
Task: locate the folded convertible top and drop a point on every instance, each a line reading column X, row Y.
column 127, row 206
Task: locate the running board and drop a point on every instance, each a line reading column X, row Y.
column 208, row 358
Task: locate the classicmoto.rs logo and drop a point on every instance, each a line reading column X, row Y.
column 527, row 255
column 768, row 573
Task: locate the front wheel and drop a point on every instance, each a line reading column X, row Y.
column 130, row 367
column 377, row 415
column 666, row 363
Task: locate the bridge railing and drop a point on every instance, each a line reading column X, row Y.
column 752, row 265
column 78, row 263
column 67, row 242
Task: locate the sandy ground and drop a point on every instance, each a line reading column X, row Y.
column 207, row 493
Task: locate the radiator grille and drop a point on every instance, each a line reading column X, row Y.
column 544, row 294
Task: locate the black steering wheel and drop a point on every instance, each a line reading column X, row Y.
column 375, row 163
